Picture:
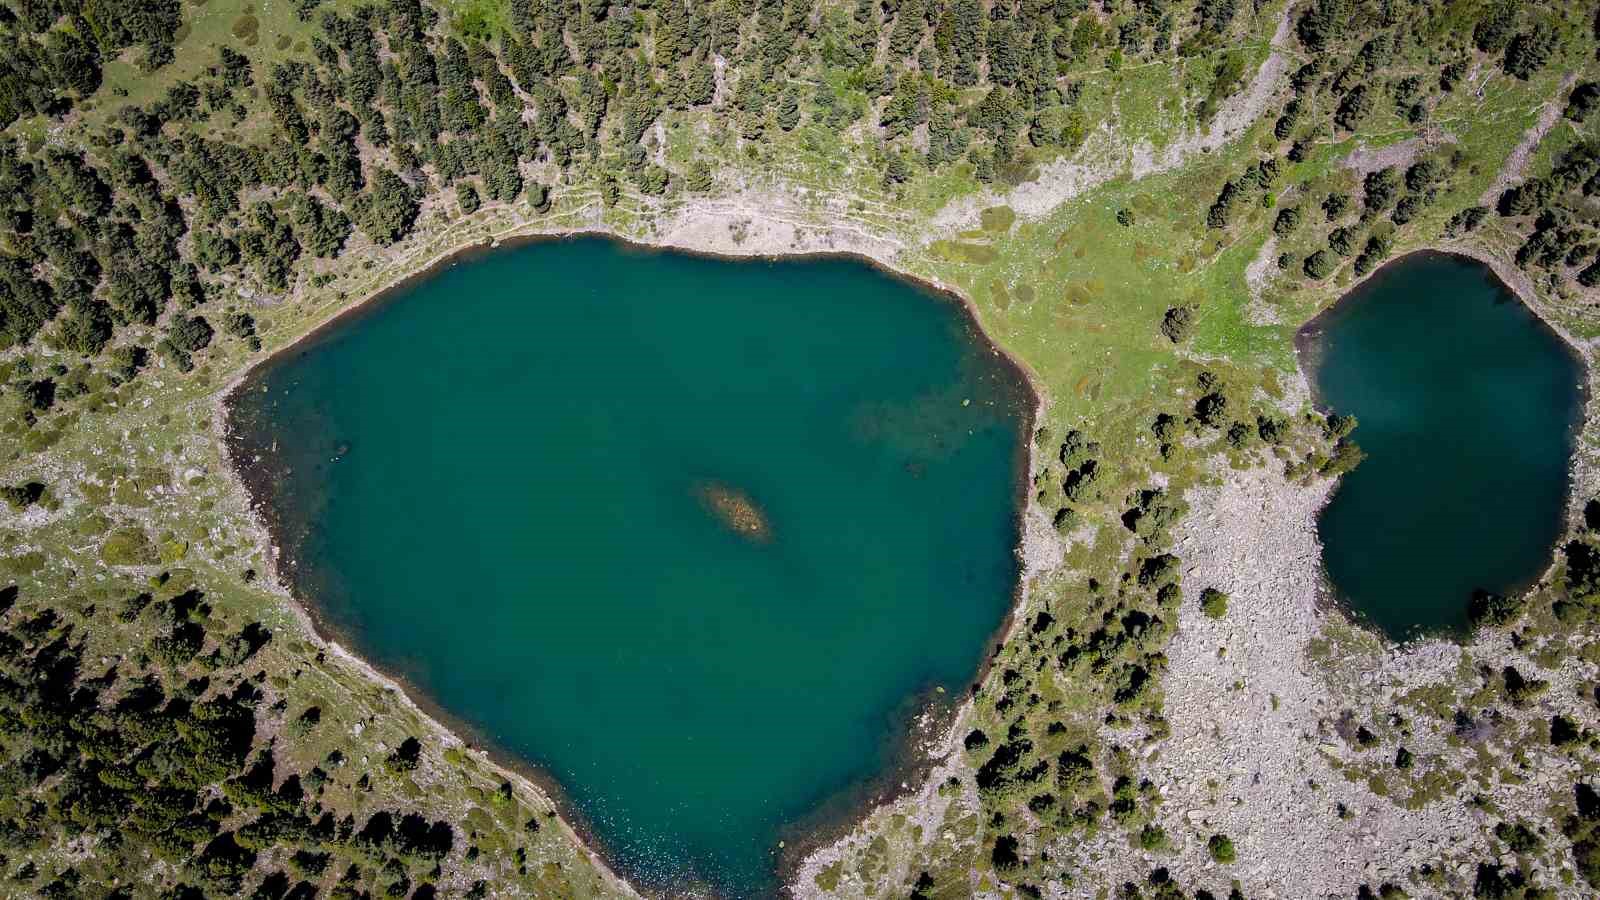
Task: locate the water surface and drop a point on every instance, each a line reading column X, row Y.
column 1467, row 406
column 504, row 483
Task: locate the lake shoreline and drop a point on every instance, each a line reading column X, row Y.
column 1254, row 534
column 446, row 728
column 1513, row 281
column 916, row 749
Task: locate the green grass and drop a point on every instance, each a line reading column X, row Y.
column 267, row 32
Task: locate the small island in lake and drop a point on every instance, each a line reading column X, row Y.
column 735, row 510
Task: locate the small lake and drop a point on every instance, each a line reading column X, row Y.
column 693, row 536
column 1468, row 406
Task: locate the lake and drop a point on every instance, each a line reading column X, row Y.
column 695, row 537
column 1468, row 406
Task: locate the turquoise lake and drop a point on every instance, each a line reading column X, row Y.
column 1467, row 406
column 496, row 483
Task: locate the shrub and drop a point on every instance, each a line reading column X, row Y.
column 22, row 496
column 1288, row 220
column 1583, row 829
column 1520, row 690
column 1346, row 456
column 1530, row 50
column 1492, row 609
column 1422, row 174
column 128, row 546
column 1494, row 29
column 1382, row 189
column 1321, row 264
column 538, row 197
column 1005, row 856
column 1221, row 849
column 1355, row 107
column 406, row 757
column 1584, row 99
column 1518, row 838
column 1272, row 430
column 1178, row 323
column 1212, row 409
column 39, row 395
column 306, row 721
column 1564, row 732
column 1336, row 205
column 190, row 333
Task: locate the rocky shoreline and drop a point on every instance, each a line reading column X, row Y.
column 733, row 229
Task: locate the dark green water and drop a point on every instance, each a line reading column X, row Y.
column 492, row 483
column 1467, row 407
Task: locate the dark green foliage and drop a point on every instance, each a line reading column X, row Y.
column 406, row 757
column 1466, row 220
column 538, row 197
column 1158, row 570
column 1221, row 212
column 1583, row 100
column 1564, row 732
column 1287, row 221
column 1494, row 610
column 1321, row 21
column 39, row 395
column 1498, row 883
column 1376, row 251
column 22, row 496
column 1382, row 188
column 1341, row 240
column 190, row 333
column 1345, row 457
column 1582, row 828
column 1335, row 206
column 1220, row 846
column 1177, row 322
column 1520, row 689
column 1579, row 581
column 1284, row 127
column 1423, row 174
column 1212, row 409
column 1528, row 52
column 386, row 212
column 1355, row 107
column 1272, row 430
column 1321, row 264
column 1494, row 29
column 1004, row 855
